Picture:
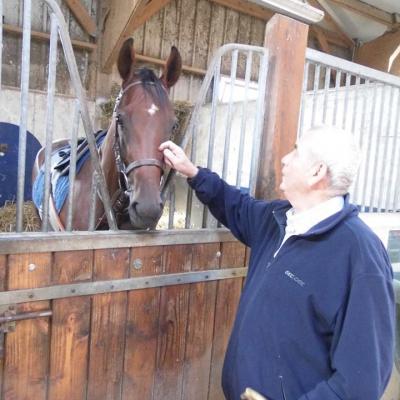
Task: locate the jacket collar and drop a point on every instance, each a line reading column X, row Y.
column 325, row 225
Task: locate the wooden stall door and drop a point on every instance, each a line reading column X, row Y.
column 165, row 342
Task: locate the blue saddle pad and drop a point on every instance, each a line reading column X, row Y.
column 60, row 189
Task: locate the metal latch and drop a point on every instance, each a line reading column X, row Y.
column 7, row 318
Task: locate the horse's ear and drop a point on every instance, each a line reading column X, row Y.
column 126, row 58
column 172, row 69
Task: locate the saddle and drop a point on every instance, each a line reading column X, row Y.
column 82, row 154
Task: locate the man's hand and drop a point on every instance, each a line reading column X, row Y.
column 176, row 158
column 250, row 394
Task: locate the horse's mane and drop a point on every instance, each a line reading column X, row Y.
column 152, row 85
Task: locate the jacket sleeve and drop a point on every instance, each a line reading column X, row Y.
column 229, row 205
column 362, row 348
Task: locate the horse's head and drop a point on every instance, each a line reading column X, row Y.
column 145, row 119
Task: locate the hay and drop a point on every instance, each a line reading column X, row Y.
column 8, row 217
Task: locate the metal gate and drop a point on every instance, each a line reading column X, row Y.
column 366, row 102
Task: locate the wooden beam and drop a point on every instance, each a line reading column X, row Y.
column 82, row 16
column 322, row 40
column 246, row 7
column 264, row 14
column 381, row 53
column 366, row 10
column 286, row 40
column 16, row 30
column 131, row 18
column 329, row 18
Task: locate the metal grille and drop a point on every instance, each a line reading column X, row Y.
column 58, row 31
column 365, row 102
column 224, row 132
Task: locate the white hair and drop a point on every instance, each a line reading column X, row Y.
column 340, row 152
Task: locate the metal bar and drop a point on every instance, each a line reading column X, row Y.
column 374, row 166
column 37, row 242
column 72, row 168
column 303, row 98
column 213, row 121
column 93, row 198
column 394, row 147
column 26, row 49
column 353, row 68
column 259, row 122
column 372, row 112
column 24, row 316
column 317, row 73
column 234, row 62
column 335, row 106
column 355, row 103
column 385, row 162
column 51, row 85
column 346, row 99
column 117, row 285
column 171, row 206
column 326, row 89
column 243, row 123
column 87, row 124
column 357, row 187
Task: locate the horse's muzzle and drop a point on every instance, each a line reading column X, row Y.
column 145, row 215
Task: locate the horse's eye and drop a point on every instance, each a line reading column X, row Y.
column 175, row 127
column 120, row 120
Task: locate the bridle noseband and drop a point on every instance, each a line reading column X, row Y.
column 123, row 170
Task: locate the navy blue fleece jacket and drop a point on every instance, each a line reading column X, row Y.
column 316, row 322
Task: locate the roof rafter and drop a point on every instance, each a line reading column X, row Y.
column 131, row 15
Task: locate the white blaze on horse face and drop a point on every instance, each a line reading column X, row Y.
column 153, row 109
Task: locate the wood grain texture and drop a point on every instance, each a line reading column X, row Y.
column 286, row 40
column 27, row 349
column 3, row 267
column 172, row 328
column 200, row 325
column 108, row 321
column 142, row 327
column 228, row 294
column 70, row 329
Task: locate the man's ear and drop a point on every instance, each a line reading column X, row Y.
column 318, row 174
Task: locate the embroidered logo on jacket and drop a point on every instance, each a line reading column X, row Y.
column 295, row 278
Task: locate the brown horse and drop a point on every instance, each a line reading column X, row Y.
column 131, row 162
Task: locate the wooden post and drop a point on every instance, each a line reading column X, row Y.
column 286, row 40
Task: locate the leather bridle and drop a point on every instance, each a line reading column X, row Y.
column 120, row 199
column 125, row 170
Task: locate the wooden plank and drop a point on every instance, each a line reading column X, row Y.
column 82, row 16
column 200, row 325
column 172, row 327
column 286, row 40
column 153, row 35
column 171, row 29
column 16, row 30
column 367, row 10
column 140, row 12
column 322, row 40
column 3, row 267
column 70, row 328
column 228, row 294
column 216, row 38
column 244, row 32
column 230, row 36
column 329, row 18
column 142, row 327
column 27, row 348
column 108, row 322
column 246, row 7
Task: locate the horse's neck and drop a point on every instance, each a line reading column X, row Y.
column 108, row 164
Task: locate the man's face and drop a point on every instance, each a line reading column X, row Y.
column 295, row 170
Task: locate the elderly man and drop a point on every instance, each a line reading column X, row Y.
column 316, row 316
